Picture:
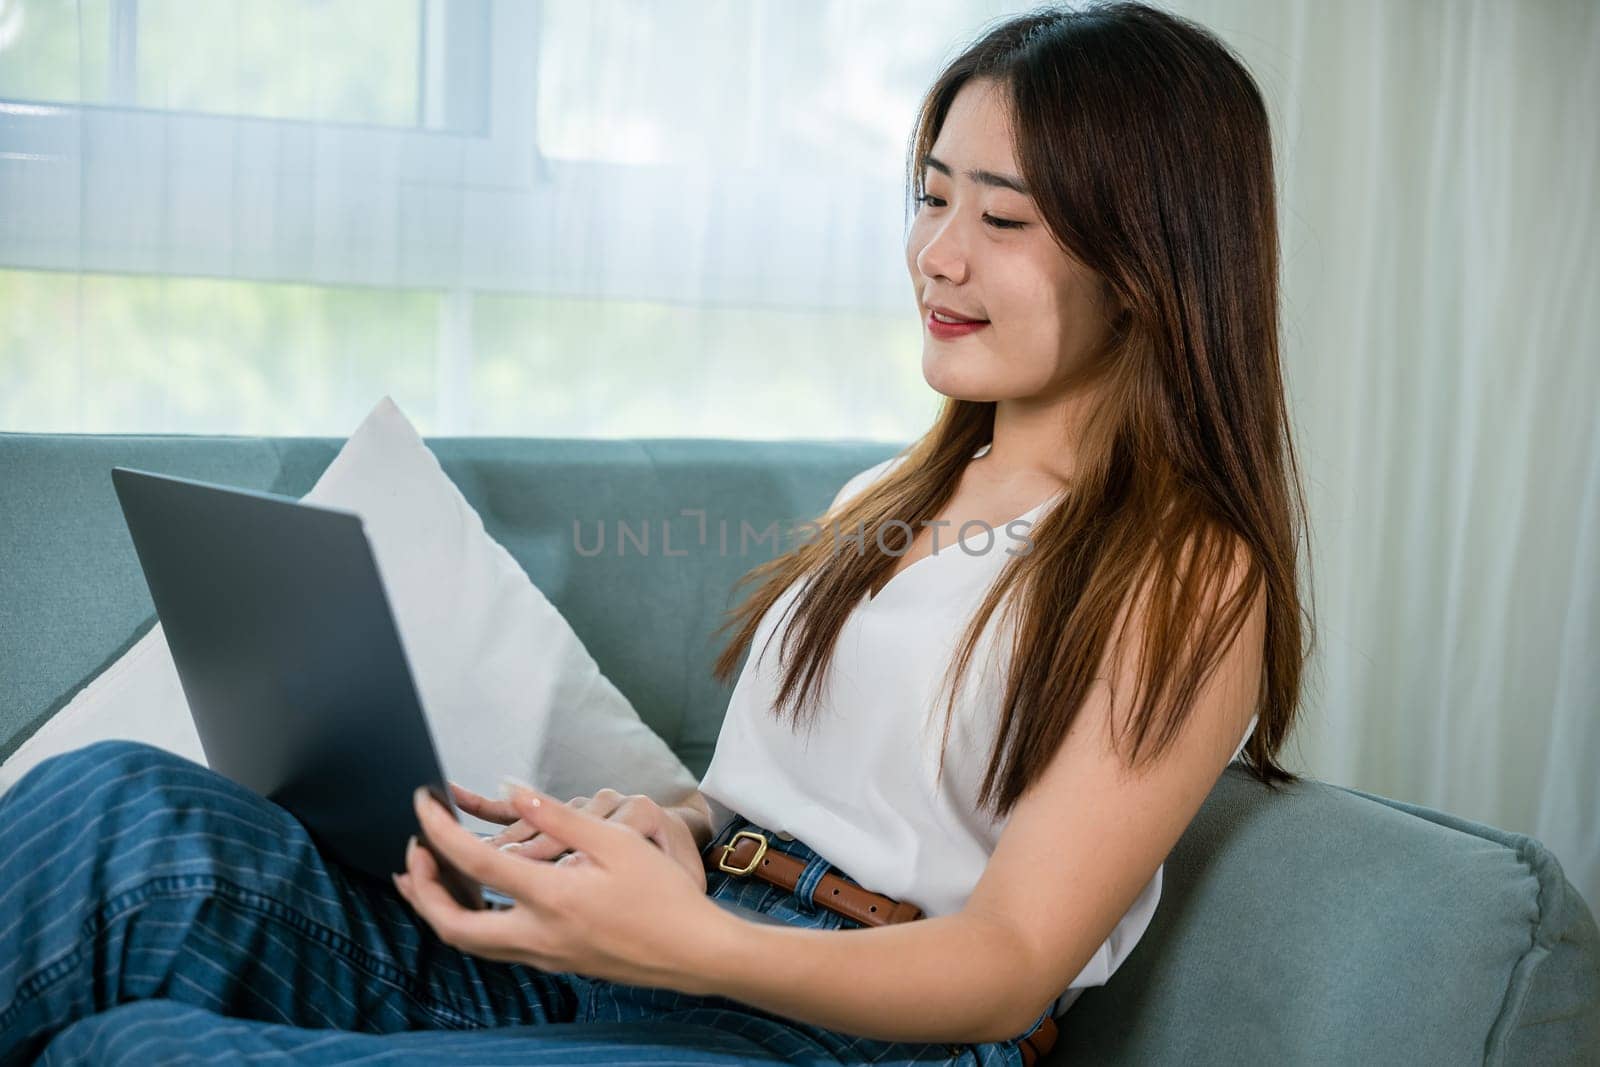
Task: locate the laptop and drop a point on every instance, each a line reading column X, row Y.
column 292, row 665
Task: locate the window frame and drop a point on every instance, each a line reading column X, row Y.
column 84, row 186
column 89, row 188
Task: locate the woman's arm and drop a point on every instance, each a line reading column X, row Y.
column 1079, row 846
column 955, row 978
column 628, row 916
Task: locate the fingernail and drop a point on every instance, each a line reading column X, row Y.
column 510, row 783
column 411, row 843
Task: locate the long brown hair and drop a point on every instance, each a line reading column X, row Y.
column 1147, row 146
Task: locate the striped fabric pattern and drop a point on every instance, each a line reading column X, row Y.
column 152, row 910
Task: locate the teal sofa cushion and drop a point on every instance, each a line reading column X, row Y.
column 1326, row 925
column 1318, row 924
column 645, row 606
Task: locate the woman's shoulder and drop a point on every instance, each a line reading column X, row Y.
column 862, row 479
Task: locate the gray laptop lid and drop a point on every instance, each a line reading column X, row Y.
column 289, row 657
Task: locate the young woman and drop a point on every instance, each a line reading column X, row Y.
column 1000, row 738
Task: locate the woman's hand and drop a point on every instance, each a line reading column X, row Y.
column 657, row 824
column 618, row 908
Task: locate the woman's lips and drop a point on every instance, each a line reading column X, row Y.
column 946, row 331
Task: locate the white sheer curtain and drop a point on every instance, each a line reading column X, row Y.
column 636, row 218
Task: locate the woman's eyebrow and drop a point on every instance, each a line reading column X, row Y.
column 984, row 177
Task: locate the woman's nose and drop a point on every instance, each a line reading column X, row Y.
column 942, row 256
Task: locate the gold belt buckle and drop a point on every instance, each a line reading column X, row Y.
column 727, row 850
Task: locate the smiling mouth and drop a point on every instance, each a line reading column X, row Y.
column 939, row 316
column 950, row 330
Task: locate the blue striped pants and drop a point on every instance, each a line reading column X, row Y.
column 154, row 911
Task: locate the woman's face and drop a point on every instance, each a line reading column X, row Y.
column 1040, row 303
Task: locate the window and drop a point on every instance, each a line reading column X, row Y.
column 340, row 61
column 611, row 217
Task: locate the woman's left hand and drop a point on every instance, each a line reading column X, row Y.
column 616, row 908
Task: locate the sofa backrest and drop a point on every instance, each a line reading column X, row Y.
column 73, row 599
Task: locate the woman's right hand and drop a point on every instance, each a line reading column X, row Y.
column 664, row 827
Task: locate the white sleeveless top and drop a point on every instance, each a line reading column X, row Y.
column 858, row 785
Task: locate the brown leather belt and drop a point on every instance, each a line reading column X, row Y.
column 746, row 854
column 1038, row 1042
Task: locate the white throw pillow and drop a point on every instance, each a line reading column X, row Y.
column 507, row 686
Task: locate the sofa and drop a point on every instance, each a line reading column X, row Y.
column 1317, row 924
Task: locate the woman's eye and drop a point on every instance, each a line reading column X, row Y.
column 997, row 223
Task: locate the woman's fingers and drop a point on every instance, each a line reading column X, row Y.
column 638, row 813
column 450, row 843
column 487, row 932
column 541, row 847
column 482, row 807
column 523, row 839
column 512, row 834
